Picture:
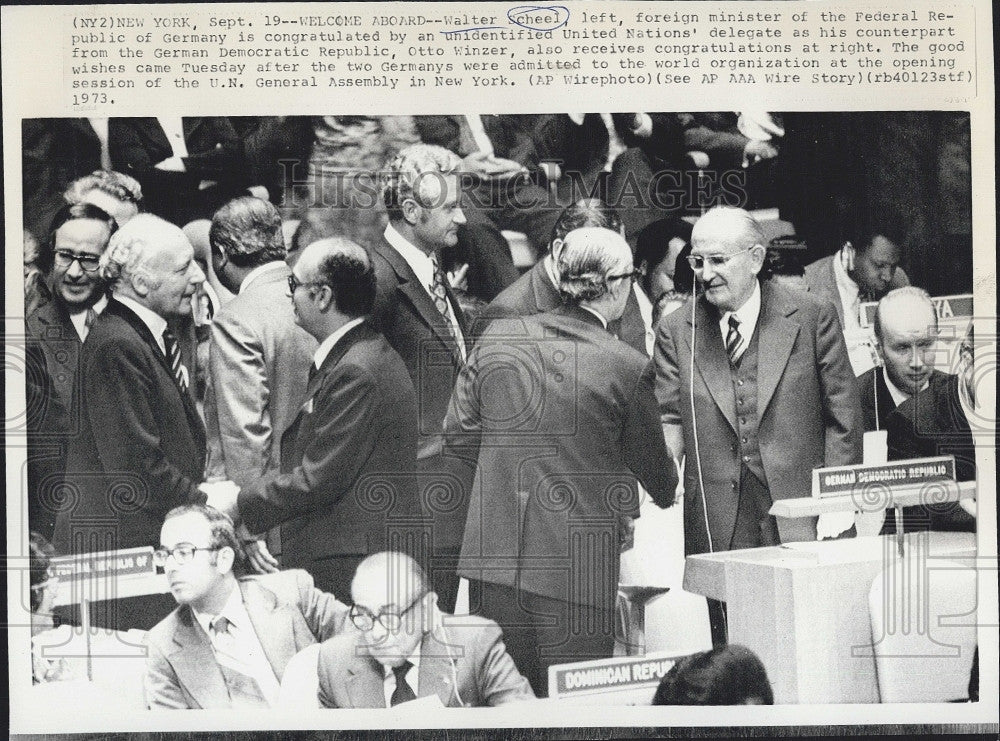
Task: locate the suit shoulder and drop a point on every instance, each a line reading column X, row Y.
column 161, row 634
column 817, row 273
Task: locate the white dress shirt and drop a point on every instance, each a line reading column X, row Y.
column 245, row 636
column 79, row 319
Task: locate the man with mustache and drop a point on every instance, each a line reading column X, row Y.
column 768, row 395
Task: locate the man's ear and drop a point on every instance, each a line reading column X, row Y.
column 141, row 281
column 411, row 210
column 225, row 558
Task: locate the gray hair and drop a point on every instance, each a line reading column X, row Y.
column 736, row 223
column 589, row 255
column 407, row 174
column 134, row 244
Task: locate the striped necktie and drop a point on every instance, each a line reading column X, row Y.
column 173, row 353
column 440, row 295
column 734, row 340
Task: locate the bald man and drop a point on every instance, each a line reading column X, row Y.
column 905, row 332
column 768, row 396
column 403, row 648
column 348, row 459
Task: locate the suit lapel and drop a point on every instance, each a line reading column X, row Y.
column 712, row 361
column 195, row 663
column 411, row 287
column 436, row 676
column 274, row 627
column 776, row 337
column 365, row 683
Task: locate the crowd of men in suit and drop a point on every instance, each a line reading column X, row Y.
column 356, row 425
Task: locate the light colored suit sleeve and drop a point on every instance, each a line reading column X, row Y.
column 239, row 377
column 300, row 682
column 842, row 417
column 499, row 680
column 325, row 615
column 160, row 684
column 668, row 380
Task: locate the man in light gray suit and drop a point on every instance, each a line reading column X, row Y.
column 260, row 357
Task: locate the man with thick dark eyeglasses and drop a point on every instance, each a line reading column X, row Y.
column 77, row 239
column 403, row 648
column 229, row 640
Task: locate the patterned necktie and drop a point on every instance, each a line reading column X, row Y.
column 403, row 692
column 244, row 690
column 173, row 353
column 440, row 295
column 733, row 340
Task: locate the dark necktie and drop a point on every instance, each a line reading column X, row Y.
column 733, row 340
column 173, row 353
column 313, row 370
column 403, row 692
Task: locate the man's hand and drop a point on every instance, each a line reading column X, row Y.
column 756, row 149
column 258, row 557
column 486, row 165
column 222, row 496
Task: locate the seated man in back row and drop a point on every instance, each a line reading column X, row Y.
column 229, row 640
column 403, row 648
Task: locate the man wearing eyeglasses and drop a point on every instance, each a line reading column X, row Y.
column 230, row 639
column 347, row 459
column 773, row 393
column 561, row 421
column 403, row 648
column 78, row 237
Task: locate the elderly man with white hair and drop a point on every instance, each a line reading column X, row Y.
column 140, row 447
column 561, row 419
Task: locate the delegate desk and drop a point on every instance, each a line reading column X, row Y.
column 803, row 608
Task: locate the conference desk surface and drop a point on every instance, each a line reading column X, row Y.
column 803, row 607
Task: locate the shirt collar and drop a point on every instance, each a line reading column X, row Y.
column 747, row 315
column 150, row 318
column 319, row 357
column 234, row 611
column 418, row 260
column 260, row 270
column 604, row 322
column 99, row 306
column 897, row 394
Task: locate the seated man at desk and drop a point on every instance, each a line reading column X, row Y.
column 229, row 640
column 403, row 648
column 905, row 331
column 938, row 421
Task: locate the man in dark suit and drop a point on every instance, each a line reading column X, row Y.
column 259, row 356
column 188, row 167
column 140, row 449
column 773, row 393
column 419, row 316
column 348, row 458
column 511, row 161
column 229, row 640
column 538, row 289
column 79, row 236
column 561, row 421
column 403, row 648
column 905, row 333
column 939, row 419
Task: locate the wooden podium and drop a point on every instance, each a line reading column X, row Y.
column 803, row 607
